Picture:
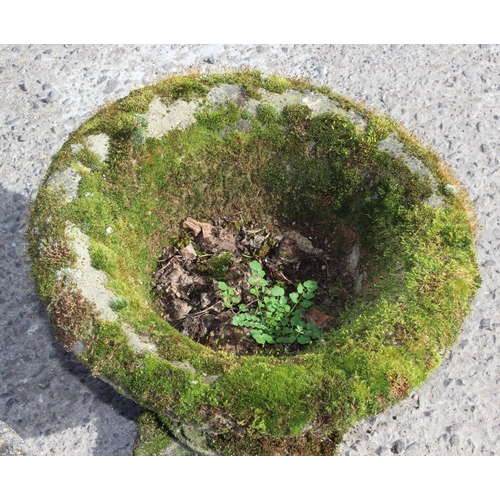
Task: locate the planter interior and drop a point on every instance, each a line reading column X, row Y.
column 273, row 151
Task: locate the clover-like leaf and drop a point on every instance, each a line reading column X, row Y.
column 303, row 339
column 268, row 338
column 315, row 334
column 286, row 340
column 237, row 320
column 311, row 285
column 261, row 337
column 305, row 304
column 294, row 297
column 257, row 335
column 255, row 265
column 222, row 286
column 277, row 291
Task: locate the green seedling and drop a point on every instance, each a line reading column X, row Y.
column 277, row 318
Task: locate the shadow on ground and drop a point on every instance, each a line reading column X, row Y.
column 46, row 395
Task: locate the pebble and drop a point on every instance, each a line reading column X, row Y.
column 398, row 447
column 413, row 449
column 322, row 71
column 110, row 86
column 485, row 324
column 24, row 164
column 383, row 451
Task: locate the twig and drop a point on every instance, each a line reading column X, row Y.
column 276, row 270
column 164, row 267
column 199, row 313
column 205, row 255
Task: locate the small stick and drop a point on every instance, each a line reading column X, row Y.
column 199, row 313
column 275, row 269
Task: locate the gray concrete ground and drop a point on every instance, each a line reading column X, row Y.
column 447, row 94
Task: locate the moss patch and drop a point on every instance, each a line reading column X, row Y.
column 404, row 223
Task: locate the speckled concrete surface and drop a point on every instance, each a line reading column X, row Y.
column 448, row 94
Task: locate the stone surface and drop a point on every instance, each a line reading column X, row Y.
column 99, row 145
column 90, row 281
column 226, row 93
column 10, row 443
column 162, row 119
column 446, row 94
column 92, row 284
column 67, row 179
column 395, row 148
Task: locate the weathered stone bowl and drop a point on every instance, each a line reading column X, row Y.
column 199, row 145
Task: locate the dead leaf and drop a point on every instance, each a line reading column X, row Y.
column 317, row 318
column 180, row 309
column 204, row 227
column 189, row 252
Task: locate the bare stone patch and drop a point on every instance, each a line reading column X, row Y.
column 91, row 283
column 163, row 119
column 226, row 93
column 356, row 118
column 135, row 341
column 317, row 103
column 89, row 280
column 353, row 266
column 395, row 148
column 67, row 179
column 99, row 145
column 186, row 365
column 281, row 101
column 302, row 242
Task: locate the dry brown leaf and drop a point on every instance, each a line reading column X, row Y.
column 317, row 318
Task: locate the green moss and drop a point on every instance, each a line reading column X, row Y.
column 86, row 158
column 276, row 84
column 273, row 398
column 152, row 436
column 297, row 114
column 217, row 266
column 418, row 261
column 267, row 114
column 218, row 119
column 103, row 258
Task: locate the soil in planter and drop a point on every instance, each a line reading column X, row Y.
column 221, row 250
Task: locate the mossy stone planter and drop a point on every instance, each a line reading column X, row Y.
column 200, row 146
